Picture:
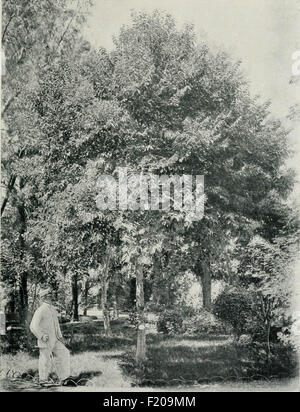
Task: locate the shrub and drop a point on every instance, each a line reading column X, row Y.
column 170, row 321
column 204, row 322
column 17, row 340
column 238, row 308
column 189, row 321
column 281, row 362
column 244, row 340
column 244, row 311
column 133, row 317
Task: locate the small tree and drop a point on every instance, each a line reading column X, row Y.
column 266, row 269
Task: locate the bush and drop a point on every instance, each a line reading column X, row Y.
column 170, row 321
column 238, row 308
column 189, row 321
column 204, row 322
column 244, row 340
column 243, row 310
column 17, row 340
column 133, row 317
column 281, row 362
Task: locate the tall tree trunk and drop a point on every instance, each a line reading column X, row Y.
column 23, row 287
column 105, row 307
column 13, row 178
column 203, row 272
column 115, row 304
column 75, row 297
column 140, row 303
column 86, row 297
column 10, row 186
column 104, row 295
column 23, row 298
column 206, row 289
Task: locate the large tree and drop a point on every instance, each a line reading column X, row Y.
column 197, row 117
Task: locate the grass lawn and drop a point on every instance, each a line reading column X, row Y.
column 94, row 357
column 211, row 361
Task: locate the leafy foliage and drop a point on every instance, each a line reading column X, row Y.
column 170, row 321
column 236, row 307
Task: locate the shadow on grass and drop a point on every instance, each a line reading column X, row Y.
column 159, row 338
column 191, row 364
column 31, row 375
column 85, row 337
column 93, row 326
column 83, row 378
column 98, row 343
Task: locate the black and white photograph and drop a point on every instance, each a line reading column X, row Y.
column 150, row 199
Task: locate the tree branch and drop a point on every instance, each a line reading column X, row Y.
column 11, row 184
column 10, row 19
column 6, row 27
column 67, row 28
column 9, row 102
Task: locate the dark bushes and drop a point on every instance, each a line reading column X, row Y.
column 170, row 321
column 238, row 308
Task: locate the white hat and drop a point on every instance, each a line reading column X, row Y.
column 45, row 292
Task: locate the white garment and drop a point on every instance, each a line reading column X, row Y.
column 62, row 356
column 45, row 322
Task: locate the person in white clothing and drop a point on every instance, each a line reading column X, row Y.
column 45, row 327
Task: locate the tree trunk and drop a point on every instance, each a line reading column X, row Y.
column 268, row 341
column 105, row 307
column 267, row 305
column 10, row 186
column 141, row 337
column 115, row 306
column 13, row 178
column 206, row 290
column 23, row 288
column 203, row 272
column 75, row 298
column 23, row 297
column 86, row 297
column 104, row 297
